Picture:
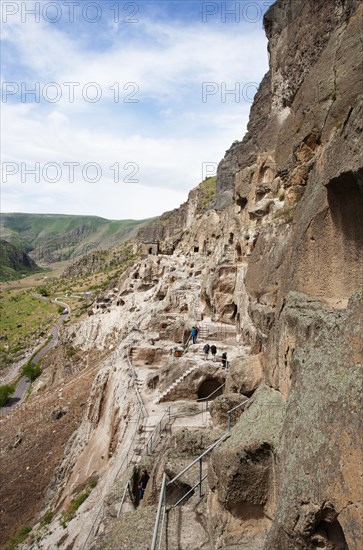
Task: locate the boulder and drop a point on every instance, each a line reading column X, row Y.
column 222, row 404
column 245, row 374
column 241, row 469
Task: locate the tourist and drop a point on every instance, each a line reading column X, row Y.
column 213, row 350
column 194, row 334
column 206, row 351
column 143, row 482
column 224, row 360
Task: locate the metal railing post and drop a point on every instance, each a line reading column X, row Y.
column 157, row 520
column 200, row 477
column 231, row 410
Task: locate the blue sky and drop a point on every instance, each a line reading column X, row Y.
column 137, row 95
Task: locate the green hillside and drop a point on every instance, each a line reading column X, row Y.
column 14, row 262
column 52, row 238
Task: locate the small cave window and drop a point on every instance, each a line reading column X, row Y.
column 241, row 201
column 234, row 312
column 238, row 322
column 150, row 250
column 231, row 237
column 239, row 252
column 196, row 249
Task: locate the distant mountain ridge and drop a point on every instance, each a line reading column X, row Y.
column 52, row 238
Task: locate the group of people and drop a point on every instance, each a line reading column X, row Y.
column 213, row 349
column 207, row 348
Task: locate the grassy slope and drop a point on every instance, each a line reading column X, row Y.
column 53, row 238
column 23, row 319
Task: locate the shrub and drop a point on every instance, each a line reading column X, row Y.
column 47, row 518
column 71, row 351
column 5, row 393
column 31, row 371
column 43, row 291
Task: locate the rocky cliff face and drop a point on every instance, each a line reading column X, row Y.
column 283, row 252
column 14, row 261
column 271, row 269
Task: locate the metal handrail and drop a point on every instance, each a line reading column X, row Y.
column 134, row 376
column 127, row 486
column 190, row 490
column 164, row 485
column 231, row 411
column 149, row 442
column 126, row 458
column 187, row 342
column 199, row 458
column 161, row 499
column 117, row 473
column 210, row 395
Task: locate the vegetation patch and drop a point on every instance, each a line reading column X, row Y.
column 46, row 519
column 286, row 215
column 23, row 321
column 76, row 502
column 20, row 537
column 208, row 189
column 5, row 393
column 31, row 371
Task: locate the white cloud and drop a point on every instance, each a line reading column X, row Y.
column 169, row 133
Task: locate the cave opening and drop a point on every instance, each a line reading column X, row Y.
column 345, row 198
column 330, row 533
column 239, row 252
column 231, row 237
column 241, row 201
column 208, row 386
column 329, row 259
column 234, row 312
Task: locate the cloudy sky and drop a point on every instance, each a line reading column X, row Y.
column 118, row 109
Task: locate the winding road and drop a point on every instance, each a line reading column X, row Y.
column 24, row 382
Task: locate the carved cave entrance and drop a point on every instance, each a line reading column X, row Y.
column 208, row 386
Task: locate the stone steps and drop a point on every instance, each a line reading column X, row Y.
column 172, row 386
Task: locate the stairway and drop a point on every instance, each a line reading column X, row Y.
column 216, row 331
column 176, row 383
column 140, row 443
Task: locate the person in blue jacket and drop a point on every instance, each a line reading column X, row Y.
column 194, row 334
